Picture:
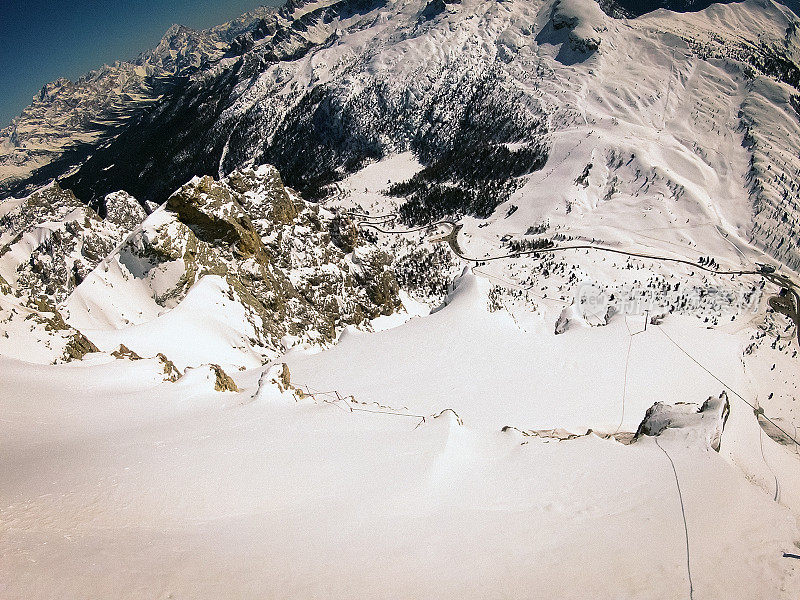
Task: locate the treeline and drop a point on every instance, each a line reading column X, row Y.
column 527, row 245
column 425, row 272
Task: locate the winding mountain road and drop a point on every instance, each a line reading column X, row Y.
column 790, row 308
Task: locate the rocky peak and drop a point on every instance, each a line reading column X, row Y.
column 50, row 240
column 50, row 203
column 273, row 250
column 122, row 209
column 211, row 209
column 263, row 194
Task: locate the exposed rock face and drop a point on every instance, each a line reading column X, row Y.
column 274, row 382
column 43, row 313
column 379, row 281
column 123, row 210
column 49, row 203
column 285, row 378
column 263, row 194
column 78, row 347
column 273, row 250
column 171, row 372
column 50, row 241
column 4, row 287
column 344, row 232
column 210, row 209
column 223, row 381
column 124, row 352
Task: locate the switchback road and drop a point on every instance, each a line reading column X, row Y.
column 788, row 304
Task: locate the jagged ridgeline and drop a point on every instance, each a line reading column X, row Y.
column 68, row 120
column 271, row 251
column 478, row 91
column 286, row 269
column 463, row 114
column 49, row 243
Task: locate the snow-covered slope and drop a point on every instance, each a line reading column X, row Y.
column 279, row 397
column 129, row 487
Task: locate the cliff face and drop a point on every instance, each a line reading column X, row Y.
column 271, row 251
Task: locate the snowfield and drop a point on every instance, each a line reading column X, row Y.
column 244, row 394
column 181, row 491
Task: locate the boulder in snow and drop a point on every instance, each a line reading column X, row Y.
column 706, row 421
column 562, row 323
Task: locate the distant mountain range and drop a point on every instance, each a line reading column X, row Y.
column 320, row 89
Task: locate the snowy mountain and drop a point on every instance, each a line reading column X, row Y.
column 332, row 86
column 410, row 298
column 68, row 120
column 278, row 266
column 248, row 245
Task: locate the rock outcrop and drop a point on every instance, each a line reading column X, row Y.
column 705, row 422
column 223, row 381
column 274, row 251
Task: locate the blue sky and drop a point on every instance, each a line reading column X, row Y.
column 42, row 40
